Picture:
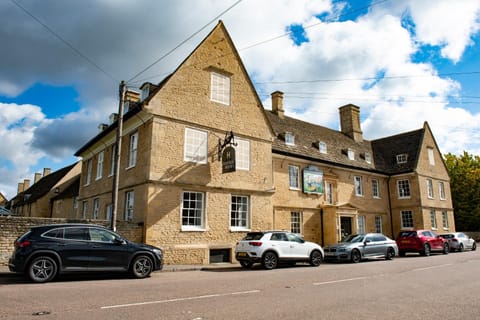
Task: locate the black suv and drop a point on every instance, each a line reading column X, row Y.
column 45, row 251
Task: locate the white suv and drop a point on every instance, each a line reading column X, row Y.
column 272, row 247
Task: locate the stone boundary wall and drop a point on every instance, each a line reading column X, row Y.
column 11, row 227
column 475, row 235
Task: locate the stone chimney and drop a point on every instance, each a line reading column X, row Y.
column 350, row 122
column 277, row 103
column 26, row 184
column 102, row 126
column 20, row 187
column 113, row 117
column 46, row 171
column 132, row 96
column 38, row 176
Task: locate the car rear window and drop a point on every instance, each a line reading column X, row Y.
column 403, row 234
column 447, row 236
column 55, row 233
column 253, row 236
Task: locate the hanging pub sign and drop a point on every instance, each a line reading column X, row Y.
column 228, row 159
column 313, row 180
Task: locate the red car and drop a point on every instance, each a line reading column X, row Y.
column 421, row 241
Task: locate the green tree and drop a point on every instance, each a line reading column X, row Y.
column 464, row 171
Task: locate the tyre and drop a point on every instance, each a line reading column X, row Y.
column 461, row 249
column 42, row 269
column 356, row 256
column 390, row 254
column 426, row 250
column 446, row 248
column 270, row 260
column 315, row 258
column 142, row 266
column 474, row 246
column 246, row 264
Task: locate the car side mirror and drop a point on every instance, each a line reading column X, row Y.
column 119, row 241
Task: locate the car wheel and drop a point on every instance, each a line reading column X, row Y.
column 142, row 266
column 390, row 254
column 426, row 249
column 474, row 246
column 446, row 248
column 270, row 260
column 42, row 269
column 246, row 264
column 315, row 258
column 401, row 253
column 461, row 249
column 356, row 256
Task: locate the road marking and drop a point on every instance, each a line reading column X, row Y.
column 180, row 299
column 338, row 281
column 433, row 267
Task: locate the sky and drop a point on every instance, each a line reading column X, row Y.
column 403, row 62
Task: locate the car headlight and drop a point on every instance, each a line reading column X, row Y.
column 158, row 252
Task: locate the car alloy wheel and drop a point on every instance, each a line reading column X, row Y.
column 390, row 254
column 446, row 248
column 142, row 266
column 461, row 249
column 474, row 246
column 356, row 257
column 42, row 269
column 270, row 260
column 316, row 258
column 426, row 250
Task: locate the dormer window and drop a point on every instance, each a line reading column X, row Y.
column 322, row 147
column 351, row 154
column 145, row 93
column 402, row 158
column 368, row 157
column 126, row 107
column 220, row 88
column 289, row 139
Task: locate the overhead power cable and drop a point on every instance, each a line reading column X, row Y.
column 184, row 41
column 68, row 44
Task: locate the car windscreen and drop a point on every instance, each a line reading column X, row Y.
column 407, row 234
column 253, row 236
column 353, row 238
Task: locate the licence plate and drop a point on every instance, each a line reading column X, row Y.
column 242, row 254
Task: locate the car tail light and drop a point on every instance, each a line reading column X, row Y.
column 255, row 243
column 22, row 244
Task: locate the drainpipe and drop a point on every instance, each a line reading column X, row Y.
column 390, row 207
column 321, row 222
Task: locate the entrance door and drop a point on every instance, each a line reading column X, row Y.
column 345, row 226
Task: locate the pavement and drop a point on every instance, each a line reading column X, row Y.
column 170, row 267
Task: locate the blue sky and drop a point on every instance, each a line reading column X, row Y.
column 402, row 62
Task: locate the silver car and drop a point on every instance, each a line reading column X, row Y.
column 459, row 241
column 356, row 247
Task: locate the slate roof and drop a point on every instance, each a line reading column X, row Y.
column 383, row 151
column 71, row 191
column 42, row 187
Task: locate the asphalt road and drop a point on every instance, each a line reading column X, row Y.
column 414, row 287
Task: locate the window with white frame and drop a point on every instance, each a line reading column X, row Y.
column 99, row 165
column 403, row 188
column 132, row 150
column 239, row 212
column 89, row 172
column 402, row 158
column 430, row 188
column 293, row 177
column 375, row 189
column 329, row 192
column 193, row 210
column 289, row 139
column 407, row 219
column 433, row 219
column 322, row 147
column 358, row 183
column 96, row 207
column 431, row 156
column 112, row 160
column 129, row 200
column 445, row 219
column 195, row 148
column 242, row 154
column 441, row 190
column 84, row 209
column 378, row 224
column 361, row 224
column 368, row 157
column 109, row 211
column 296, row 221
column 75, row 202
column 220, row 88
column 351, row 154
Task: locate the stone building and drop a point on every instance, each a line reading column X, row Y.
column 288, row 174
